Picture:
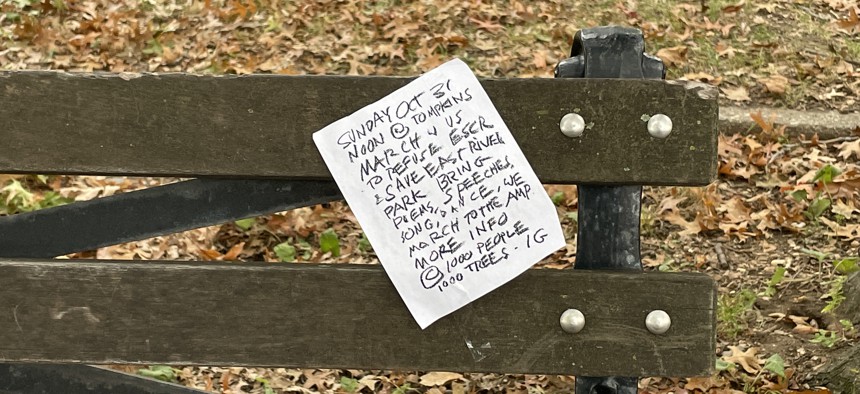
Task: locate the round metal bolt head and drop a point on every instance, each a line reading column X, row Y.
column 659, row 126
column 572, row 125
column 658, row 322
column 572, row 321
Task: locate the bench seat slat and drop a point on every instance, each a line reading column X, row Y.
column 260, row 126
column 346, row 316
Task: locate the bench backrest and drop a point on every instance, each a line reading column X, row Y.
column 249, row 140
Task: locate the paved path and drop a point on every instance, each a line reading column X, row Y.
column 827, row 124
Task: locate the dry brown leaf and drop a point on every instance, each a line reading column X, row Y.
column 726, row 50
column 848, row 231
column 705, row 384
column 209, row 254
column 233, row 253
column 845, row 209
column 729, row 9
column 319, row 379
column 766, row 125
column 655, row 262
column 776, row 84
column 746, row 359
column 739, row 93
column 487, row 25
column 4, row 178
column 225, row 381
column 670, row 204
column 439, row 378
column 689, row 228
column 850, row 148
column 726, row 30
column 851, row 22
column 736, row 210
column 539, row 60
column 703, row 77
column 781, row 383
column 726, row 391
column 674, row 56
column 804, row 329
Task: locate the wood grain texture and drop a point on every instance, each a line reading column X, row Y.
column 260, row 126
column 346, row 316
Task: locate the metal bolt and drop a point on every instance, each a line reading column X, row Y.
column 572, row 321
column 659, row 126
column 572, row 125
column 658, row 322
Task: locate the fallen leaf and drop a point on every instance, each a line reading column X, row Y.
column 734, row 7
column 781, row 383
column 850, row 23
column 670, row 204
column 319, row 379
column 739, row 93
column 849, row 148
column 689, row 228
column 539, row 60
column 736, row 211
column 439, row 378
column 727, row 50
column 487, row 25
column 210, row 254
column 804, row 329
column 674, row 56
column 746, row 359
column 767, row 125
column 776, row 84
column 705, row 384
column 703, row 77
column 233, row 253
column 846, row 210
column 849, row 231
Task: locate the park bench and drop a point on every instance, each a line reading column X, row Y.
column 247, row 142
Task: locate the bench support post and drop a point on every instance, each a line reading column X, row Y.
column 608, row 216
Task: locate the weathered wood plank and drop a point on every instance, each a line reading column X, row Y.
column 345, row 316
column 261, row 125
column 141, row 214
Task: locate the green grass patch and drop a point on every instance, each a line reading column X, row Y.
column 731, row 311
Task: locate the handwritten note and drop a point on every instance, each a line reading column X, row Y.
column 442, row 190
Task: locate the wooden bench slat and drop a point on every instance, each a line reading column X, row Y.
column 151, row 212
column 260, row 126
column 81, row 379
column 346, row 316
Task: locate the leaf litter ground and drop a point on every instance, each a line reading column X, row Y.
column 778, row 231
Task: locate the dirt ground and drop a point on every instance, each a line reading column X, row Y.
column 779, row 230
